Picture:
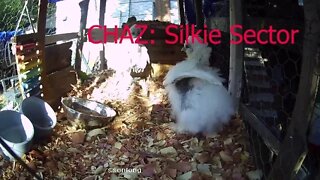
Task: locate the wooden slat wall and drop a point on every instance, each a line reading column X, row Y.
column 59, row 74
column 58, row 56
column 59, row 85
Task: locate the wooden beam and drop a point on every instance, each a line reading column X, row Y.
column 49, row 39
column 294, row 146
column 42, row 18
column 60, row 37
column 269, row 139
column 181, row 12
column 84, row 5
column 236, row 54
column 199, row 14
column 101, row 22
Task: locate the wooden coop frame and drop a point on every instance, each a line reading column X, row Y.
column 288, row 160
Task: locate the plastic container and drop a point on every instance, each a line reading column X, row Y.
column 41, row 115
column 17, row 131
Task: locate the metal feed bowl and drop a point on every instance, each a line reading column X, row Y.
column 93, row 114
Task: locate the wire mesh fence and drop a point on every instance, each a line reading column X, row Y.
column 17, row 17
column 271, row 78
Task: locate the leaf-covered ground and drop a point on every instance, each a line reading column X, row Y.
column 138, row 144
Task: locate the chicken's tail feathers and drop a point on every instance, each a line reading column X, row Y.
column 187, row 121
column 209, row 76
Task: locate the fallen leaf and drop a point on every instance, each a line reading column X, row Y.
column 73, row 150
column 204, row 168
column 225, row 157
column 90, row 178
column 171, row 172
column 78, row 137
column 255, row 175
column 99, row 170
column 168, row 151
column 160, row 136
column 185, row 176
column 130, row 175
column 51, row 165
column 95, row 132
column 203, row 157
column 183, row 166
column 118, row 145
column 32, row 165
column 227, row 141
column 244, row 156
column 148, row 170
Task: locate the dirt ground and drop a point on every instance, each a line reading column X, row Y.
column 137, row 144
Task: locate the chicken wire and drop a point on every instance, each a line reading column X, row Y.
column 271, row 78
column 17, row 17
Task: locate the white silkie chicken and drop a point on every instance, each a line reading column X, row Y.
column 199, row 101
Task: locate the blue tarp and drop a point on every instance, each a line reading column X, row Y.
column 54, row 1
column 5, row 36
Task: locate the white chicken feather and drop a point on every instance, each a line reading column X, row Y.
column 200, row 103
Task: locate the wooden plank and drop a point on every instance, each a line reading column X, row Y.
column 26, row 47
column 60, row 37
column 34, row 55
column 60, row 85
column 58, row 56
column 169, row 59
column 26, row 75
column 25, row 38
column 49, row 39
column 270, row 140
column 295, row 146
column 236, row 55
column 25, row 66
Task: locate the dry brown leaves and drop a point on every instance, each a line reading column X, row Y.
column 139, row 144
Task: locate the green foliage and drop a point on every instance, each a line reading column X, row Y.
column 10, row 11
column 9, row 14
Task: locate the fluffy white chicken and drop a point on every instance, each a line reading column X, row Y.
column 199, row 101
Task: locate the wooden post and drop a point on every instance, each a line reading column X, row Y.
column 84, row 5
column 181, row 12
column 101, row 22
column 41, row 36
column 199, row 14
column 236, row 54
column 294, row 146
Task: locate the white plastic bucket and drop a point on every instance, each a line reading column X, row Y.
column 17, row 131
